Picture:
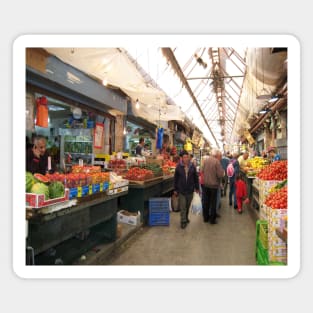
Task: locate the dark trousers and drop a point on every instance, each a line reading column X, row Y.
column 209, row 204
column 232, row 191
column 184, row 205
column 224, row 183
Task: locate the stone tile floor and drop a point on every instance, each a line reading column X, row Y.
column 230, row 242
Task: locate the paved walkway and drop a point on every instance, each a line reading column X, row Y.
column 230, row 242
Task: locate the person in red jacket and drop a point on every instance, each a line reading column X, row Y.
column 241, row 192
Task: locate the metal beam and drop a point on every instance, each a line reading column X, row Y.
column 211, row 77
column 168, row 53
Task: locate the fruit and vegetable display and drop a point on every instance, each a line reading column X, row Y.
column 30, row 180
column 278, row 186
column 168, row 167
column 117, row 164
column 155, row 168
column 42, row 185
column 278, row 199
column 73, row 180
column 86, row 169
column 40, row 189
column 278, row 170
column 56, row 190
column 140, row 174
column 255, row 164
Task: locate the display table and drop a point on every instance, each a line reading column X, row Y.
column 92, row 218
column 138, row 195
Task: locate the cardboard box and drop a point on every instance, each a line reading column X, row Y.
column 38, row 201
column 130, row 218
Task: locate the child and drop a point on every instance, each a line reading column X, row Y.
column 241, row 192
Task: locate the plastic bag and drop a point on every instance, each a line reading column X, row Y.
column 196, row 204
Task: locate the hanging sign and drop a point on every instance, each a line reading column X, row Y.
column 98, row 136
column 42, row 112
column 196, row 138
column 249, row 137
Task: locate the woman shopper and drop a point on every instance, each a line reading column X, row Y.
column 186, row 181
column 232, row 180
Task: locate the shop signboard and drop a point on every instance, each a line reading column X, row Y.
column 249, row 137
column 196, row 136
column 98, row 136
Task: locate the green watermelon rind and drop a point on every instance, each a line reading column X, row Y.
column 56, row 190
column 29, row 181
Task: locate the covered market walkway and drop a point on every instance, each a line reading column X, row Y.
column 230, row 242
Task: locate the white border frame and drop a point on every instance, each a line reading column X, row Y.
column 148, row 272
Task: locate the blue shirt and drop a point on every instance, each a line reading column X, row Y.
column 224, row 162
column 276, row 157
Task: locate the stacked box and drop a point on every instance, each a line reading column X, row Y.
column 277, row 248
column 256, row 182
column 159, row 211
column 264, row 187
column 263, row 212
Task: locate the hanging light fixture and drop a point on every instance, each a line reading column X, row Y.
column 274, row 98
column 263, row 94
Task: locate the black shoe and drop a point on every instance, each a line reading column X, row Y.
column 188, row 221
column 183, row 225
column 217, row 215
column 213, row 222
column 235, row 207
column 205, row 221
column 230, row 204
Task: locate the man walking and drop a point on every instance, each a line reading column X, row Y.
column 186, row 181
column 212, row 173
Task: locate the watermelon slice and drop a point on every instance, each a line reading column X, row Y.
column 41, row 178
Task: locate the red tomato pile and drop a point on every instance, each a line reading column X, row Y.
column 278, row 199
column 278, row 170
column 72, row 180
column 136, row 173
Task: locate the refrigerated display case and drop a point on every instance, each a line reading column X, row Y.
column 76, row 144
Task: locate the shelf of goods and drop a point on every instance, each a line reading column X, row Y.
column 273, row 194
column 90, row 205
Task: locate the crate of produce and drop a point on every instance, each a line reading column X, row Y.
column 159, row 218
column 159, row 204
column 38, row 200
column 261, row 254
column 263, row 235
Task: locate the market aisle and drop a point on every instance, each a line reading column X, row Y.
column 230, row 242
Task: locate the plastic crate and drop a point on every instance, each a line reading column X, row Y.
column 277, row 263
column 261, row 255
column 159, row 219
column 258, row 224
column 159, row 205
column 263, row 235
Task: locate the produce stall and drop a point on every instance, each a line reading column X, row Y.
column 72, row 231
column 64, row 228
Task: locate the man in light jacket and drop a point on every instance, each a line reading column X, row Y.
column 212, row 174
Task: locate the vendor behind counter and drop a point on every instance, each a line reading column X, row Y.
column 243, row 161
